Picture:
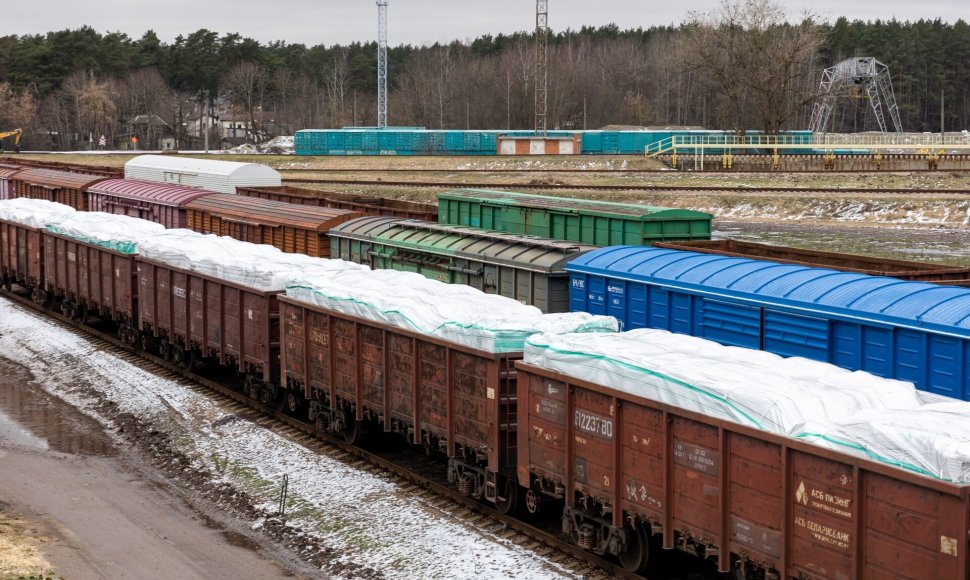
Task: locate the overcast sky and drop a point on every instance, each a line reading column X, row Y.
column 329, row 22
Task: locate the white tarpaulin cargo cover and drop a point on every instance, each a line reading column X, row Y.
column 751, row 387
column 854, row 412
column 933, row 440
column 258, row 266
column 453, row 312
column 221, row 176
column 35, row 213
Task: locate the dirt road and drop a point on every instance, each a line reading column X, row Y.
column 102, row 514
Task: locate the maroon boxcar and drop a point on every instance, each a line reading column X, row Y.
column 59, row 186
column 194, row 315
column 100, row 170
column 291, row 228
column 88, row 278
column 442, row 395
column 21, row 255
column 366, row 204
column 6, row 171
column 757, row 503
column 161, row 203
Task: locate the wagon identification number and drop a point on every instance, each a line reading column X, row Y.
column 594, row 425
column 179, row 292
column 696, row 457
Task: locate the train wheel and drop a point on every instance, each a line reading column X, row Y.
column 353, row 432
column 80, row 314
column 637, row 551
column 508, row 500
column 188, row 360
column 532, row 501
column 67, row 308
column 8, row 284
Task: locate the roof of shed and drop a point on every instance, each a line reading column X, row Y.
column 161, row 193
column 200, row 166
column 255, row 210
column 882, row 298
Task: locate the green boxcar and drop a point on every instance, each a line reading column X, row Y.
column 583, row 221
column 525, row 268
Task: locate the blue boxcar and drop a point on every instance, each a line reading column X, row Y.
column 912, row 331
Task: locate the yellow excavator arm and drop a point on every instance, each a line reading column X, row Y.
column 16, row 134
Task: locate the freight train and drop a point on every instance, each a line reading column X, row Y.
column 697, row 447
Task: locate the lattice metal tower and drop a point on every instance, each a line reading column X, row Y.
column 856, row 77
column 381, row 64
column 542, row 81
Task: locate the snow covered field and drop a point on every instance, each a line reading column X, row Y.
column 367, row 523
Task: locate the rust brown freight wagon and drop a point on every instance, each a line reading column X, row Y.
column 21, row 255
column 291, row 228
column 52, row 185
column 762, row 505
column 367, row 204
column 347, row 371
column 189, row 315
column 87, row 278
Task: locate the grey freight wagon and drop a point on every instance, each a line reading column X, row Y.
column 528, row 269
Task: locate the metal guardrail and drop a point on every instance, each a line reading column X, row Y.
column 923, row 143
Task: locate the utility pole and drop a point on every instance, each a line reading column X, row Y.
column 381, row 64
column 542, row 44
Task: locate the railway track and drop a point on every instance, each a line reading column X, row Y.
column 630, row 187
column 409, row 471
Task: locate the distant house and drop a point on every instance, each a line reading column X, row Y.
column 150, row 132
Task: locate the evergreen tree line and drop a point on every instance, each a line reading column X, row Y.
column 64, row 87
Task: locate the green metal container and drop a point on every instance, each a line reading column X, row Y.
column 598, row 223
column 525, row 268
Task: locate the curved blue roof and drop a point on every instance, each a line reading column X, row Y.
column 885, row 299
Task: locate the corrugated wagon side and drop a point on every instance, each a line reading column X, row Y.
column 86, row 278
column 756, row 503
column 191, row 315
column 291, row 228
column 349, row 372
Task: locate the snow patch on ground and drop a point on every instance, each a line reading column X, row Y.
column 366, row 519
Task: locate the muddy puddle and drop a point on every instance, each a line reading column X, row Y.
column 935, row 245
column 31, row 418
